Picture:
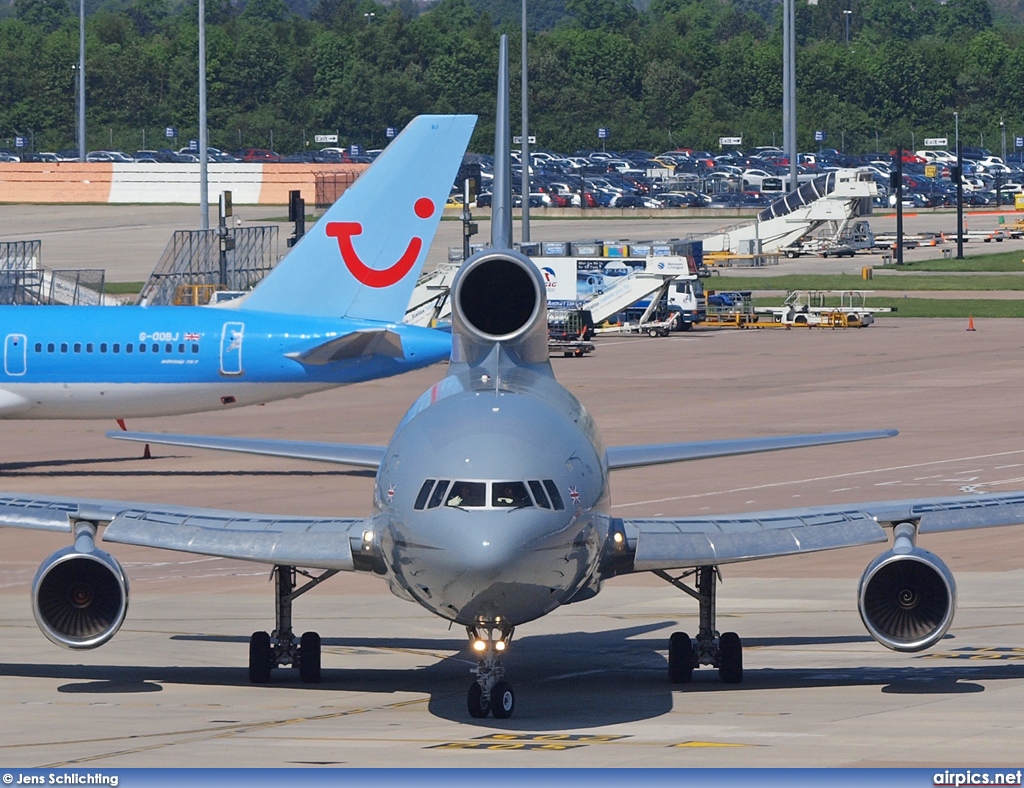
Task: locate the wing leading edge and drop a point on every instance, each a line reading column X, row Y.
column 676, row 543
column 657, row 453
column 313, row 542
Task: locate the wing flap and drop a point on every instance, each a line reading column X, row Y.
column 359, row 344
column 656, row 453
column 321, row 544
column 342, row 453
column 673, row 544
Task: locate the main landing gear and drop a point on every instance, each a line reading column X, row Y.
column 490, row 693
column 282, row 648
column 724, row 651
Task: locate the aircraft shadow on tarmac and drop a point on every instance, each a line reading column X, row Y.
column 565, row 680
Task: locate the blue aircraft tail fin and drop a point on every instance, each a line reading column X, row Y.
column 362, row 258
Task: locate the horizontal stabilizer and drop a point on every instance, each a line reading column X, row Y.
column 656, row 453
column 341, row 453
column 358, row 344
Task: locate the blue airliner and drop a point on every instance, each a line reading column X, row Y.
column 329, row 314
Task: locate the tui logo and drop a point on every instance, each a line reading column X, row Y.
column 344, row 232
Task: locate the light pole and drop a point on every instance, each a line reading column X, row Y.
column 204, row 197
column 846, row 16
column 1002, row 132
column 789, row 88
column 81, row 80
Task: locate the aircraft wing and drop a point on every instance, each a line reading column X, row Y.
column 342, row 453
column 317, row 543
column 656, row 453
column 675, row 543
column 365, row 343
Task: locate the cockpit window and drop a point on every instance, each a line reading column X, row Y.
column 438, row 496
column 556, row 498
column 509, row 494
column 421, row 499
column 474, row 494
column 467, row 494
column 539, row 495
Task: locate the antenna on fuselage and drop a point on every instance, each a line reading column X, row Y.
column 501, row 199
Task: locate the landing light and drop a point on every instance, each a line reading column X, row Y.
column 499, row 645
column 479, row 645
column 617, row 538
column 367, row 536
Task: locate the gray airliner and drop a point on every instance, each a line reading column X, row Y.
column 491, row 508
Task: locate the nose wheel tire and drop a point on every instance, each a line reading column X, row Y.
column 681, row 658
column 309, row 658
column 479, row 707
column 730, row 658
column 503, row 700
column 260, row 658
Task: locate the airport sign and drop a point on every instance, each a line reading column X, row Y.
column 604, row 134
column 820, row 136
column 1018, row 142
column 390, row 132
column 723, row 141
column 936, row 142
column 170, row 132
column 518, row 140
column 20, row 142
column 324, row 138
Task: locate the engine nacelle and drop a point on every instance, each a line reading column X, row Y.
column 907, row 599
column 499, row 297
column 80, row 598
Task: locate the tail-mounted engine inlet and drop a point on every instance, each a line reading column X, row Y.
column 80, row 596
column 499, row 297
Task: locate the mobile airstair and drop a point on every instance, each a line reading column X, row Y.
column 827, row 206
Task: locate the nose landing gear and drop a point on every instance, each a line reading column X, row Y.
column 490, row 693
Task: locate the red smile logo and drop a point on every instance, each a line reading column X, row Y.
column 372, row 277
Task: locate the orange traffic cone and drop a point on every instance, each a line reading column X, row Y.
column 970, row 323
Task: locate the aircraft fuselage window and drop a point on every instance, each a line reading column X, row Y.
column 181, row 348
column 467, row 494
column 539, row 495
column 50, row 348
column 103, row 347
column 195, row 348
column 556, row 497
column 438, row 496
column 117, row 347
column 168, row 348
column 88, row 347
column 421, row 499
column 63, row 347
column 156, row 348
column 128, row 348
column 142, row 347
column 78, row 347
column 39, row 347
column 509, row 494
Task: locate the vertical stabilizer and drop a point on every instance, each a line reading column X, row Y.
column 363, row 257
column 501, row 200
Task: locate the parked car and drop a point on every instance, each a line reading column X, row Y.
column 259, row 155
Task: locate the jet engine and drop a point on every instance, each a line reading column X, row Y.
column 80, row 596
column 499, row 296
column 907, row 598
